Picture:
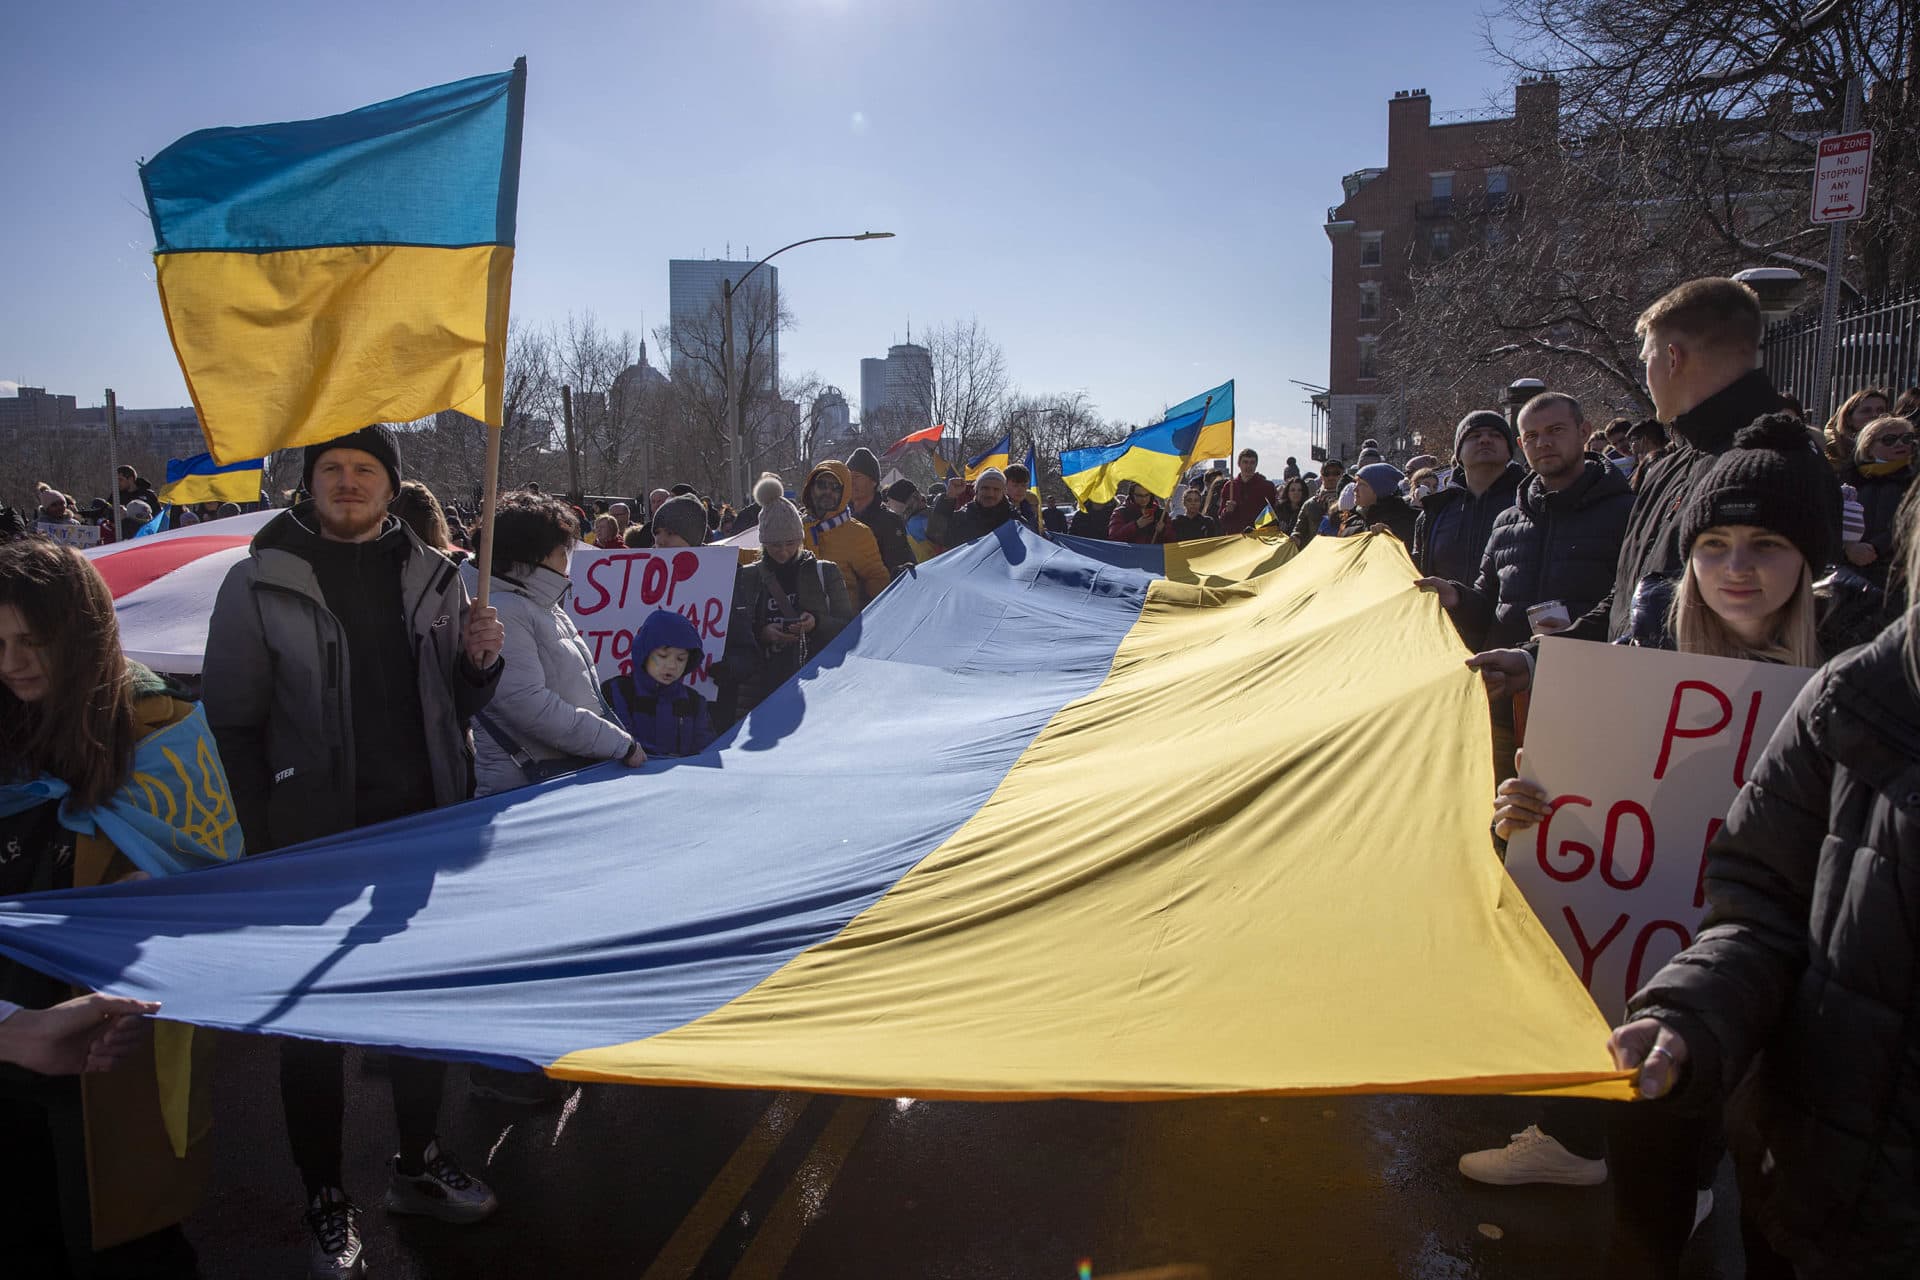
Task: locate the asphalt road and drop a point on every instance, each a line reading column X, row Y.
column 702, row 1184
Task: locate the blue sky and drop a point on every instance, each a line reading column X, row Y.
column 1128, row 196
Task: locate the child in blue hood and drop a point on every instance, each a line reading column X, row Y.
column 653, row 703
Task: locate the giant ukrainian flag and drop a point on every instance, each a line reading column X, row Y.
column 1154, row 456
column 319, row 275
column 1204, row 907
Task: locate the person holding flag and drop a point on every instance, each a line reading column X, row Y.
column 345, row 664
column 1245, row 496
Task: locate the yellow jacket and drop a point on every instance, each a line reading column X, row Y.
column 839, row 537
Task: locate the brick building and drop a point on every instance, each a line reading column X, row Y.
column 1443, row 182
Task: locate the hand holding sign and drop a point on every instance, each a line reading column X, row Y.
column 1632, row 761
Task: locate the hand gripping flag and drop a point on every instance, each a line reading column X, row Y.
column 319, row 275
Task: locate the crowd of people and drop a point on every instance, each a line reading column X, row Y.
column 350, row 680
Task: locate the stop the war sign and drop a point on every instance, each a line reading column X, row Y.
column 1840, row 177
column 1641, row 753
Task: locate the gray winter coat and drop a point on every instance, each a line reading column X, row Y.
column 278, row 680
column 548, row 699
column 1808, row 971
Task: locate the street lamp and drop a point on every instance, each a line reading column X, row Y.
column 1780, row 290
column 736, row 431
column 1519, row 391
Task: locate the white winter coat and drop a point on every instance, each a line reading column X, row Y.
column 548, row 698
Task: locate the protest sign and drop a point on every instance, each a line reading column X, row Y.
column 614, row 591
column 1641, row 753
column 74, row 535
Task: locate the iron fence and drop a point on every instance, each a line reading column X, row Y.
column 1877, row 344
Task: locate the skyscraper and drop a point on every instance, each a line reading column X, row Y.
column 898, row 391
column 694, row 287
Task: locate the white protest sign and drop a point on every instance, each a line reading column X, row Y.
column 614, row 591
column 1840, row 176
column 74, row 535
column 1641, row 753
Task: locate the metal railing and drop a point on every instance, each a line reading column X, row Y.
column 1876, row 344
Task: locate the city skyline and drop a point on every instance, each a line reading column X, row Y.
column 1132, row 246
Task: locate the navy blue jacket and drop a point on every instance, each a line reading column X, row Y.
column 666, row 720
column 1547, row 546
column 1451, row 536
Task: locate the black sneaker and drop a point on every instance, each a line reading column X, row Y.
column 442, row 1190
column 335, row 1223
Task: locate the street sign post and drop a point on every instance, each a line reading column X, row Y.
column 1840, row 177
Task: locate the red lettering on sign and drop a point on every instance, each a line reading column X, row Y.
column 685, row 565
column 1590, row 954
column 1674, row 730
column 1574, row 847
column 714, row 623
column 653, row 581
column 1700, row 882
column 587, row 608
column 1639, row 956
column 1646, row 845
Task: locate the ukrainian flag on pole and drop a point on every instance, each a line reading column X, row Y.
column 1216, row 432
column 997, row 455
column 1154, row 456
column 319, row 275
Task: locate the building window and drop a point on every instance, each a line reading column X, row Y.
column 1370, row 248
column 1442, row 186
column 1497, row 236
column 1440, row 241
column 1364, row 416
column 1496, row 182
column 1368, row 364
column 1369, row 302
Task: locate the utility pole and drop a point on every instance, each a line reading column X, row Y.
column 1836, row 266
column 113, row 457
column 573, row 451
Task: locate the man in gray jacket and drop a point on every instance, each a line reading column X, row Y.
column 344, row 664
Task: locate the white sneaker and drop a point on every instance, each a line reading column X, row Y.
column 1532, row 1156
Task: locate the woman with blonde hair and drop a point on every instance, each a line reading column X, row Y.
column 1883, row 468
column 1797, row 1007
column 1854, row 413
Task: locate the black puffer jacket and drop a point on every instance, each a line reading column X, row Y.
column 1808, row 970
column 1547, row 546
column 1455, row 524
column 1652, row 544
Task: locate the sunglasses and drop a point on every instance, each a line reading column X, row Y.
column 1907, row 438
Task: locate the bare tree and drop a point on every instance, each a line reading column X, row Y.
column 1683, row 147
column 1052, row 424
column 448, row 451
column 969, row 384
column 694, row 433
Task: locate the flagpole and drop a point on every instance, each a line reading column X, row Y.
column 489, row 493
column 113, row 458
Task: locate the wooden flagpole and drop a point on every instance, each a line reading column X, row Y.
column 489, row 494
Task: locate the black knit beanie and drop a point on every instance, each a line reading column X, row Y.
column 1482, row 418
column 1771, row 478
column 685, row 516
column 863, row 461
column 377, row 439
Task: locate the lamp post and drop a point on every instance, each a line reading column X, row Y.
column 1519, row 391
column 1780, row 290
column 735, row 419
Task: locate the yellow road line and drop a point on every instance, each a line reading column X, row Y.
column 696, row 1232
column 806, row 1194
